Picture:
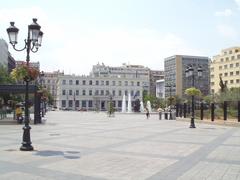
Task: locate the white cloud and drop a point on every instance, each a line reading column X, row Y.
column 226, row 12
column 238, row 3
column 75, row 50
column 114, row 47
column 227, row 31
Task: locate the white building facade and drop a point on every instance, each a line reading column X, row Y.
column 93, row 92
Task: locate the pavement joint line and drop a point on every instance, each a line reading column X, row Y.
column 179, row 168
column 221, row 161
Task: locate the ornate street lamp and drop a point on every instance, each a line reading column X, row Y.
column 32, row 43
column 171, row 99
column 190, row 73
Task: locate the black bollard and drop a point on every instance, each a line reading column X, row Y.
column 166, row 116
column 212, row 111
column 180, row 110
column 238, row 111
column 184, row 110
column 177, row 109
column 201, row 110
column 225, row 110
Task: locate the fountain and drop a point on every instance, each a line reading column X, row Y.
column 124, row 104
column 149, row 106
column 141, row 107
column 129, row 103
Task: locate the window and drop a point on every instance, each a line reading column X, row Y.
column 231, row 73
column 238, row 80
column 84, row 82
column 212, row 83
column 119, row 83
column 83, row 103
column 227, row 59
column 90, row 104
column 225, row 66
column 238, row 56
column 138, row 93
column 237, row 64
column 237, row 72
column 77, row 103
column 225, row 74
column 102, row 92
column 226, row 82
column 231, row 81
column 64, row 82
column 107, row 83
column 222, row 60
column 70, row 92
column 83, row 92
column 126, row 83
column 63, row 92
column 138, row 83
column 102, row 83
column 77, row 82
column 113, row 83
column 63, row 103
column 231, row 65
column 126, row 92
column 70, row 103
column 96, row 92
column 48, row 81
column 90, row 92
column 113, row 92
column 119, row 93
column 132, row 83
column 119, row 103
column 132, row 93
column 220, row 74
column 70, row 82
column 230, row 52
column 212, row 76
column 212, row 69
column 232, row 58
column 97, row 83
column 77, row 92
column 90, row 82
column 107, row 92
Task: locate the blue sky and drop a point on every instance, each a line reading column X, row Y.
column 80, row 33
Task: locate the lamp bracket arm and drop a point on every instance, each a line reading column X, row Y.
column 14, row 47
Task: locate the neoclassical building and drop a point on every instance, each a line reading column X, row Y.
column 104, row 83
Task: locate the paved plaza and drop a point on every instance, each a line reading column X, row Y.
column 90, row 145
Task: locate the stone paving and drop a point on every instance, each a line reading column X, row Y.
column 92, row 146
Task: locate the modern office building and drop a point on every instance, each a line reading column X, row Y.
column 160, row 88
column 154, row 77
column 174, row 74
column 93, row 92
column 225, row 65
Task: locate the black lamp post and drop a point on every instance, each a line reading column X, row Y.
column 32, row 43
column 190, row 73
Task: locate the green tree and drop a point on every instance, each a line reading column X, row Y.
column 4, row 76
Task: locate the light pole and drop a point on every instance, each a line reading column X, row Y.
column 32, row 43
column 190, row 74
